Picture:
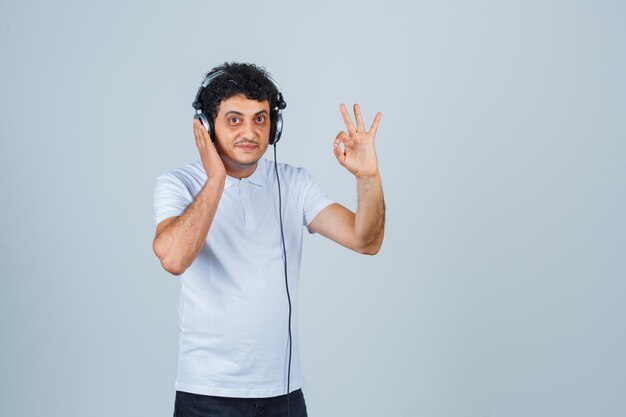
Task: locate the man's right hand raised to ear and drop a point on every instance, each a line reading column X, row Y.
column 179, row 239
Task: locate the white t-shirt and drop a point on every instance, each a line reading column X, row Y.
column 233, row 309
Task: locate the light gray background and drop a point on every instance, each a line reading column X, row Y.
column 500, row 289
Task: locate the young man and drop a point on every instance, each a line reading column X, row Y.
column 223, row 226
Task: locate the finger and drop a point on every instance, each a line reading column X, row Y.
column 374, row 126
column 344, row 138
column 359, row 120
column 341, row 157
column 341, row 137
column 201, row 133
column 196, row 133
column 346, row 118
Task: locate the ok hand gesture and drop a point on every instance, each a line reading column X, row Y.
column 358, row 154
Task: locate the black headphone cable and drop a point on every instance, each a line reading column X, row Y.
column 282, row 237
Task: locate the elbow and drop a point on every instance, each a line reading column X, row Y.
column 173, row 266
column 371, row 248
column 373, row 252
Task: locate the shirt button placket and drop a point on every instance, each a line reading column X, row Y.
column 244, row 192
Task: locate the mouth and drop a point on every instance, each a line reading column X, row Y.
column 246, row 146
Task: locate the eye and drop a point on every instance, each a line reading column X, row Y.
column 260, row 119
column 233, row 120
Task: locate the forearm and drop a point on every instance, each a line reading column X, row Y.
column 178, row 244
column 369, row 222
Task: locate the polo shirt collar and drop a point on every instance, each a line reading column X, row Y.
column 258, row 177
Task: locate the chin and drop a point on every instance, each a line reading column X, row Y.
column 249, row 159
column 246, row 161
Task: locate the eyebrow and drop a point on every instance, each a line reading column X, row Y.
column 238, row 113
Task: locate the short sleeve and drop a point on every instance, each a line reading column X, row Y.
column 171, row 197
column 315, row 200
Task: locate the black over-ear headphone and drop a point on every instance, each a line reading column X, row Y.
column 276, row 116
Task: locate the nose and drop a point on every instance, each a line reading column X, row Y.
column 247, row 130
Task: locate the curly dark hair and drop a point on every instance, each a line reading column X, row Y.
column 237, row 78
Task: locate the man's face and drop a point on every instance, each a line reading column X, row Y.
column 242, row 130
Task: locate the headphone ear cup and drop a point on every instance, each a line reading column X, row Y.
column 272, row 127
column 211, row 129
column 276, row 129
